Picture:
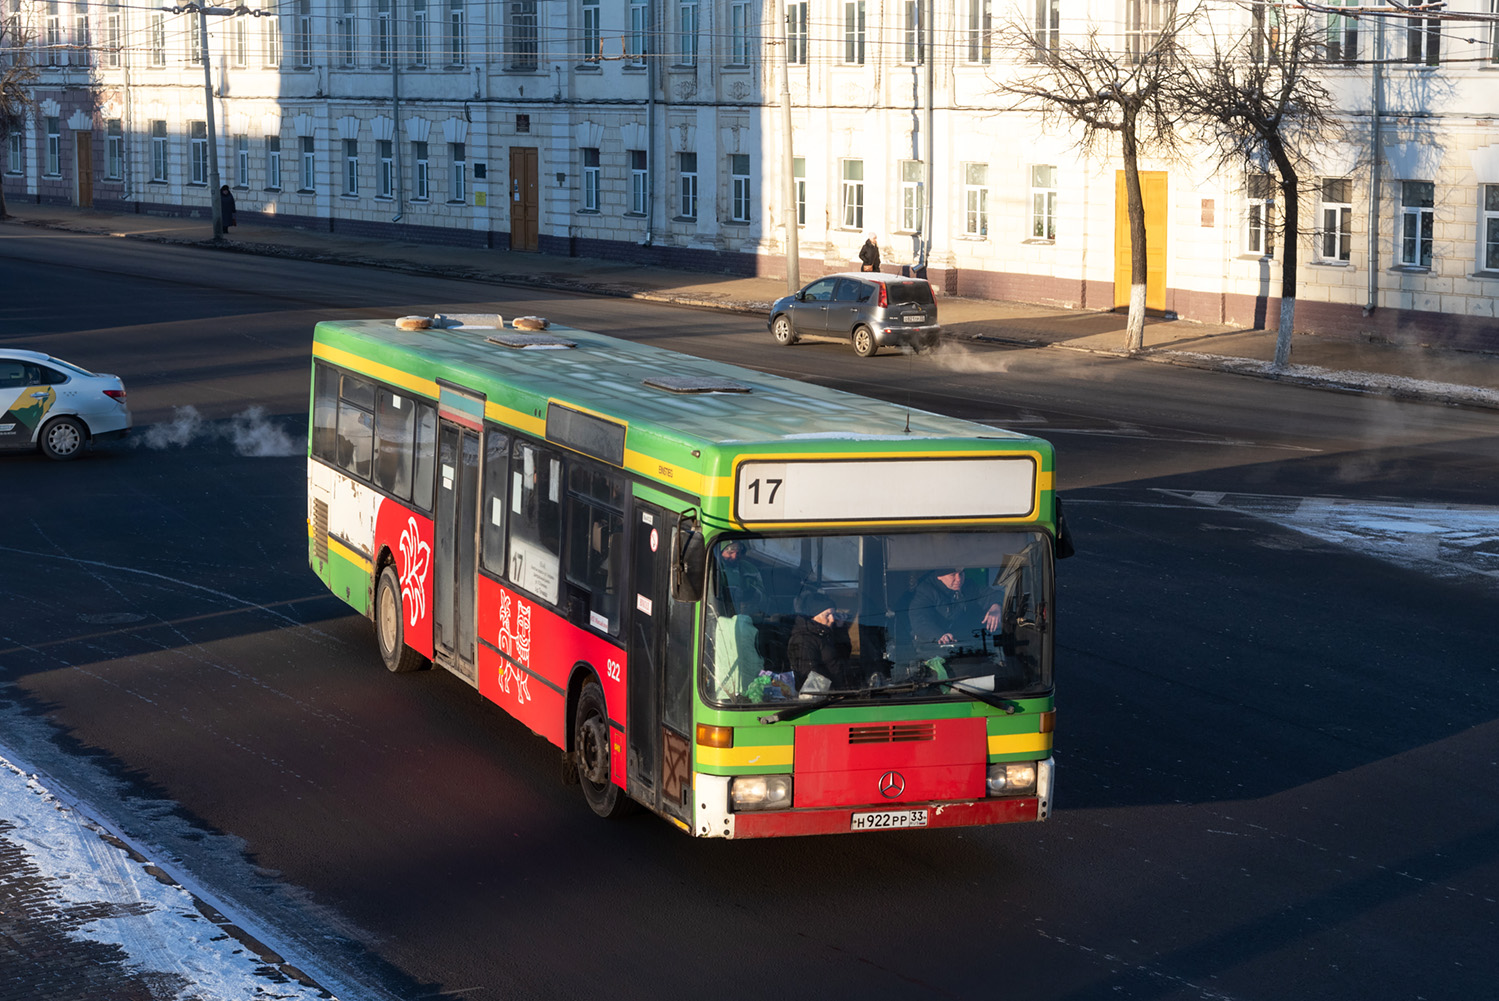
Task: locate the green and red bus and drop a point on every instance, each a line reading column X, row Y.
column 622, row 547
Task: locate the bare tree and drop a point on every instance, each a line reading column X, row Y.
column 1111, row 88
column 17, row 75
column 1257, row 97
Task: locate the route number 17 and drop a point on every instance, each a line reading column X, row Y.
column 772, row 488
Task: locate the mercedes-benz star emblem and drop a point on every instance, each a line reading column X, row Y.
column 892, row 784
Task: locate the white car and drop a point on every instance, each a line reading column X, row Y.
column 56, row 406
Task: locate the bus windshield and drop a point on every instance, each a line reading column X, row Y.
column 889, row 618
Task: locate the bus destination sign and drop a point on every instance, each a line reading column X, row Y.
column 810, row 490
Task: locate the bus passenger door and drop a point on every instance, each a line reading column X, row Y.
column 455, row 576
column 659, row 758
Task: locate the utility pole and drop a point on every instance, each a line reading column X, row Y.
column 214, row 202
column 788, row 161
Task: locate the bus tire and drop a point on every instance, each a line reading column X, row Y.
column 390, row 626
column 591, row 751
column 864, row 343
column 63, row 438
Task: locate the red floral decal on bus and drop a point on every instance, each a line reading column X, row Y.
column 416, row 563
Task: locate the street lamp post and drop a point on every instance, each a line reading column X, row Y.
column 214, row 202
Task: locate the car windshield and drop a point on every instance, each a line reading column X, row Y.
column 910, row 293
column 890, row 618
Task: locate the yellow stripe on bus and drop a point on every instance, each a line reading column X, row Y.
column 357, row 558
column 1019, row 743
column 374, row 369
column 529, row 423
column 772, row 756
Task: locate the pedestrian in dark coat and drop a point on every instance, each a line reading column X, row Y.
column 819, row 642
column 869, row 254
column 226, row 206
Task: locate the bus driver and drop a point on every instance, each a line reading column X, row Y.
column 942, row 609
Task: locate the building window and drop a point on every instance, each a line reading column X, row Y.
column 15, row 163
column 384, row 149
column 1490, row 233
column 590, row 179
column 739, row 182
column 423, row 174
column 1417, row 218
column 351, row 166
column 158, row 150
column 114, row 149
column 158, row 40
column 418, row 41
column 796, row 33
column 457, row 39
column 910, row 196
column 1043, row 202
column 1264, row 30
column 242, row 161
column 198, row 148
column 914, row 34
column 853, row 194
column 54, row 147
column 1423, row 40
column 52, row 31
column 347, row 31
column 520, row 29
column 593, row 45
column 853, row 32
column 637, row 181
column 309, row 164
column 1494, row 32
column 1335, row 235
column 382, row 32
column 976, row 199
column 636, row 41
column 799, row 177
column 739, row 33
column 81, row 44
column 194, row 40
column 1342, row 34
column 687, row 171
column 1259, row 216
column 458, row 189
column 239, row 42
column 272, row 34
column 302, row 39
column 273, row 163
column 1143, row 21
column 114, row 39
column 980, row 27
column 687, row 34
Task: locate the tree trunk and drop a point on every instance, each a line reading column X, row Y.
column 1134, row 328
column 1290, row 193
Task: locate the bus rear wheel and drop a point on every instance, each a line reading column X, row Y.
column 390, row 626
column 591, row 749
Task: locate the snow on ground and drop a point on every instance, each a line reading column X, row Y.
column 1371, row 382
column 155, row 924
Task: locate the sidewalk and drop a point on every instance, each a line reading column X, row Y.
column 1465, row 378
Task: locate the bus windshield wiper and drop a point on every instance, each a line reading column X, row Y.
column 1010, row 706
column 803, row 706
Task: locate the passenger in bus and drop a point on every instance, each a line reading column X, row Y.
column 946, row 609
column 741, row 587
column 819, row 642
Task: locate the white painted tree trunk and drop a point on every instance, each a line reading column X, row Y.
column 1284, row 331
column 1134, row 330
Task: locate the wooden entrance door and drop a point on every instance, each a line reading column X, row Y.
column 524, row 198
column 1153, row 194
column 83, row 167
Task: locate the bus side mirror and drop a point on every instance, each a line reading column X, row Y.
column 1064, row 534
column 689, row 565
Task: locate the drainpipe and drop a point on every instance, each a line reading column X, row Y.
column 788, row 160
column 928, row 142
column 1375, row 149
column 396, row 157
column 652, row 49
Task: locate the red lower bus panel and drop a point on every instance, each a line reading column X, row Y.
column 969, row 814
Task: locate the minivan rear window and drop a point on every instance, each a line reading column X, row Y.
column 915, row 293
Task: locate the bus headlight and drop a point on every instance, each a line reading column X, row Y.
column 760, row 792
column 1012, row 778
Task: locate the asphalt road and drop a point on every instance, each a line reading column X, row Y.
column 1277, row 769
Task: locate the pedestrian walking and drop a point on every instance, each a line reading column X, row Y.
column 226, row 206
column 869, row 254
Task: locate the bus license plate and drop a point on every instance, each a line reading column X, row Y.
column 887, row 820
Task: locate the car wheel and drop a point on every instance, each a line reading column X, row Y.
column 782, row 331
column 390, row 626
column 64, row 438
column 591, row 750
column 864, row 342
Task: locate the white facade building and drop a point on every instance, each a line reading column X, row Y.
column 651, row 132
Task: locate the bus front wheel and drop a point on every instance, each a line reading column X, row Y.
column 390, row 626
column 591, row 749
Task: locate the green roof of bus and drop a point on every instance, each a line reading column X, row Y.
column 605, row 375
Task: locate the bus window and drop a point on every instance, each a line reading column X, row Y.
column 395, row 433
column 492, row 517
column 536, row 520
column 325, row 413
column 596, row 529
column 356, row 426
column 424, row 472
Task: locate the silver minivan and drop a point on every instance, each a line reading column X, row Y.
column 868, row 309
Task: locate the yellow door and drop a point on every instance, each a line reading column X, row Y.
column 1153, row 194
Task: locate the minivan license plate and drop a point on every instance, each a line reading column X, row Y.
column 886, row 820
column 914, row 318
